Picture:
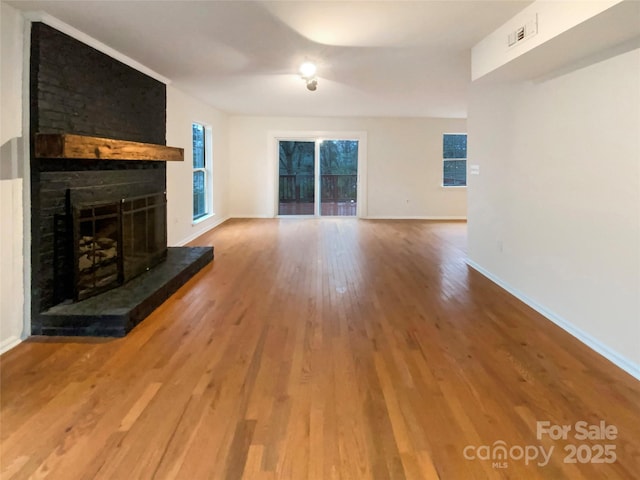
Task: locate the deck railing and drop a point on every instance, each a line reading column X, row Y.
column 333, row 188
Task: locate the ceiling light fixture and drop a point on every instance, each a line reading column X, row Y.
column 312, row 85
column 308, row 70
column 308, row 74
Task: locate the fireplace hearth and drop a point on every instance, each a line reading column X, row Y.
column 115, row 312
column 109, row 263
column 113, row 267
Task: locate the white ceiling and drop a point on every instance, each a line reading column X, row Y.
column 393, row 58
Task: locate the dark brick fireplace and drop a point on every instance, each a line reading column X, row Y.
column 97, row 225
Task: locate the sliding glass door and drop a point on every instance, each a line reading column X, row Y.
column 297, row 178
column 318, row 177
column 339, row 178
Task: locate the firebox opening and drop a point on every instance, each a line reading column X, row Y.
column 97, row 259
column 116, row 241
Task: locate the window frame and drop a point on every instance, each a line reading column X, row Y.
column 465, row 159
column 205, row 169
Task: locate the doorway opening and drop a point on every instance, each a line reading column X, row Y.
column 318, row 177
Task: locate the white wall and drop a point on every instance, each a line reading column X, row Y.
column 555, row 213
column 11, row 264
column 182, row 111
column 11, row 25
column 404, row 164
column 11, row 186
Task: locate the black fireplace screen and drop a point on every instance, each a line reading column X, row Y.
column 98, row 262
column 144, row 233
column 117, row 241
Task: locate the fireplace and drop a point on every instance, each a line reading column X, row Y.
column 114, row 232
column 112, row 266
column 114, row 242
column 99, row 257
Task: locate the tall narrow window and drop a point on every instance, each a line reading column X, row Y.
column 454, row 154
column 200, row 180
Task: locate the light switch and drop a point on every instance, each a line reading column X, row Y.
column 474, row 169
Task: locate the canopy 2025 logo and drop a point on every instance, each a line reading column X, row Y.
column 500, row 454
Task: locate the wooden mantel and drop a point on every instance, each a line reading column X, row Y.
column 65, row 145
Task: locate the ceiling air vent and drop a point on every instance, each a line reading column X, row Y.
column 528, row 30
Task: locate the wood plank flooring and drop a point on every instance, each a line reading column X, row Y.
column 319, row 349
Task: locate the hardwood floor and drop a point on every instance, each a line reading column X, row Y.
column 319, row 349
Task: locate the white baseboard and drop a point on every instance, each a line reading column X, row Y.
column 239, row 215
column 9, row 343
column 195, row 235
column 370, row 217
column 418, row 217
column 625, row 364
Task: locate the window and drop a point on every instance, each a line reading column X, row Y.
column 200, row 180
column 454, row 154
